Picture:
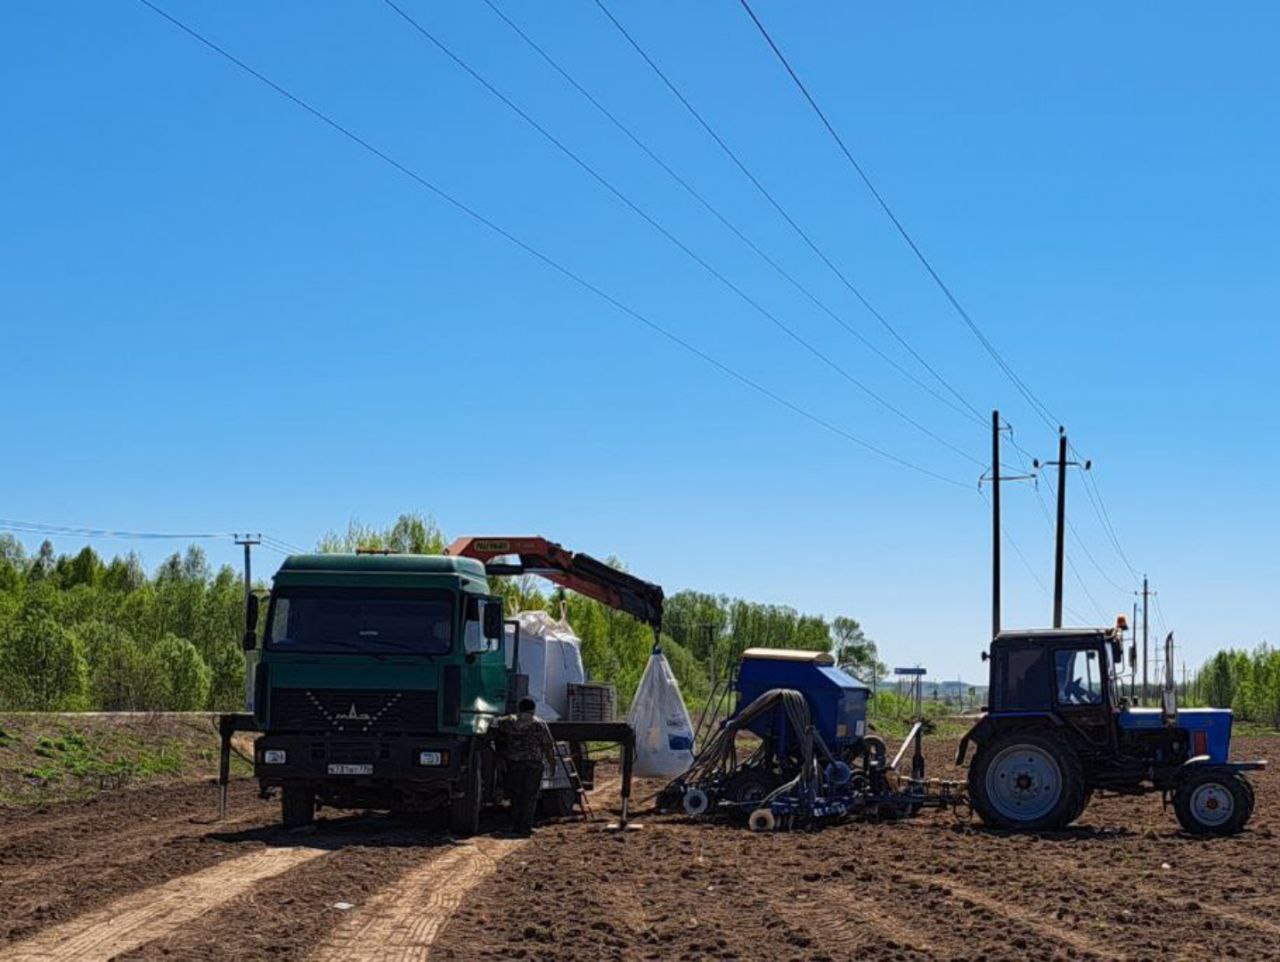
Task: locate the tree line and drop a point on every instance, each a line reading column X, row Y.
column 80, row 632
column 1248, row 682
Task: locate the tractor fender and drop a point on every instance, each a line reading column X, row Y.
column 1200, row 762
column 993, row 724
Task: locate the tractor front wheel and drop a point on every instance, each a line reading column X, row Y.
column 1030, row 781
column 1213, row 803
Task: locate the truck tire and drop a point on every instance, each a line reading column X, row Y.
column 297, row 806
column 464, row 811
column 1030, row 781
column 1213, row 803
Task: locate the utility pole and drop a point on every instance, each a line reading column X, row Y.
column 995, row 479
column 1133, row 654
column 1146, row 650
column 250, row 657
column 1060, row 548
column 248, row 541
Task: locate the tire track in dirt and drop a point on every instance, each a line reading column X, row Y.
column 1026, row 918
column 401, row 923
column 154, row 912
column 162, row 830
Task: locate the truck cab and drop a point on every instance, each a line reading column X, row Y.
column 1057, row 730
column 376, row 682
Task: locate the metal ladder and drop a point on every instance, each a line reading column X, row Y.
column 575, row 780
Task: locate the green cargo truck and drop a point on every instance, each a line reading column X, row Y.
column 378, row 675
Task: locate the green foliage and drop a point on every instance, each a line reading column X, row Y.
column 42, row 664
column 185, row 676
column 412, row 533
column 80, row 632
column 1246, row 682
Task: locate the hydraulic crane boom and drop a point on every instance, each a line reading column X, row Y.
column 576, row 571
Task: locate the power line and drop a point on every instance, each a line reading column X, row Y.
column 546, row 259
column 672, row 238
column 764, row 192
column 40, row 527
column 1044, row 510
column 722, row 218
column 1036, row 404
column 1030, row 568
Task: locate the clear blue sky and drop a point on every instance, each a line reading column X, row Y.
column 219, row 314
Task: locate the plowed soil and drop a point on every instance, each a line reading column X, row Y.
column 149, row 875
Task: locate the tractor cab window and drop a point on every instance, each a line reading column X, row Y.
column 1079, row 676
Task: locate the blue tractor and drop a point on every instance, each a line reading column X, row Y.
column 1057, row 731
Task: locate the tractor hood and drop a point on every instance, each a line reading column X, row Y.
column 1210, row 728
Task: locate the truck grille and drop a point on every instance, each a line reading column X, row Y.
column 361, row 710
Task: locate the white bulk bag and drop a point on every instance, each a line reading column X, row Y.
column 551, row 655
column 664, row 733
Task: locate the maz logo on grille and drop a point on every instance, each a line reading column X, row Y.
column 352, row 716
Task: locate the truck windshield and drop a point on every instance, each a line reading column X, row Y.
column 374, row 620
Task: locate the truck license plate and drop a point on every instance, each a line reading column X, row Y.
column 350, row 769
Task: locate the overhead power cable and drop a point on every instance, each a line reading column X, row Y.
column 40, row 527
column 672, row 238
column 1104, row 518
column 539, row 255
column 1036, row 404
column 724, row 220
column 800, row 231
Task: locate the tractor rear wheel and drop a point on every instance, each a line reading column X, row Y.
column 297, row 806
column 1027, row 780
column 1213, row 803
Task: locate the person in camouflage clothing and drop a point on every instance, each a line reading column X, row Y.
column 525, row 745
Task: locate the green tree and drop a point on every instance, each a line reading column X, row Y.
column 186, row 676
column 42, row 665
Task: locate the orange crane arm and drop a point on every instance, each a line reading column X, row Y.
column 573, row 570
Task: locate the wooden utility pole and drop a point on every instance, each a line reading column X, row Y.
column 995, row 479
column 995, row 523
column 1060, row 546
column 1146, row 649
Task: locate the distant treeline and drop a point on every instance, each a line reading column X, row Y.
column 1246, row 681
column 78, row 632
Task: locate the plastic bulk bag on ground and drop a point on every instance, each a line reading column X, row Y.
column 664, row 733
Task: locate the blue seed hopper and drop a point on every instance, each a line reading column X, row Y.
column 837, row 701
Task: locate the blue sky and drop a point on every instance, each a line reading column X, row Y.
column 219, row 314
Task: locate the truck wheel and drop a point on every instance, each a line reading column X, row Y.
column 297, row 806
column 1213, row 803
column 464, row 811
column 1030, row 781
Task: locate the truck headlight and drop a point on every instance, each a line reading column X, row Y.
column 273, row 756
column 433, row 759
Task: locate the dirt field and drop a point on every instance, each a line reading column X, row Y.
column 147, row 875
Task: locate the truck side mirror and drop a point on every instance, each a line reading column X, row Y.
column 251, row 623
column 494, row 621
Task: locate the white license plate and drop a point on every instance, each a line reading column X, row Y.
column 350, row 769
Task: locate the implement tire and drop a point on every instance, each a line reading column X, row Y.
column 1213, row 803
column 297, row 806
column 1028, row 781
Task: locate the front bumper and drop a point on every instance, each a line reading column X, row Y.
column 376, row 759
